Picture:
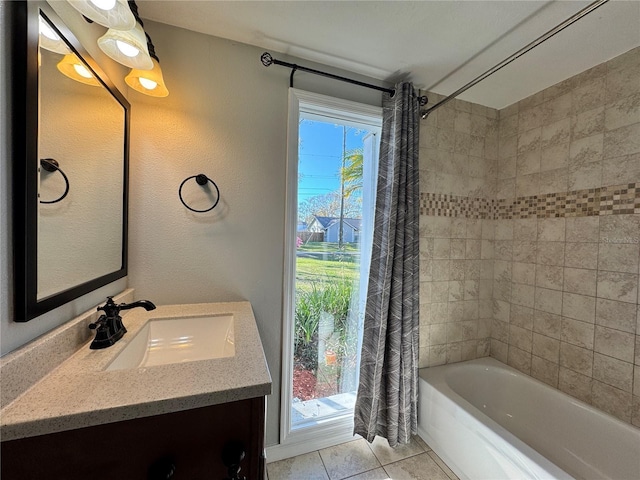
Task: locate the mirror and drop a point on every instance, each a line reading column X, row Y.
column 70, row 234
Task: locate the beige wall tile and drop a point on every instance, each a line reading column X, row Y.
column 614, row 343
column 553, row 181
column 617, row 315
column 588, row 123
column 579, row 280
column 613, row 372
column 524, row 251
column 635, row 413
column 585, row 176
column 577, row 333
column 619, row 257
column 549, row 276
column 519, row 359
column 524, row 273
column 575, row 384
column 521, row 317
column 551, row 229
column 588, row 95
column 499, row 350
column 623, row 112
column 618, row 286
column 620, row 229
column 581, row 255
column 622, row 141
column 586, row 149
column 557, row 109
column 576, row 358
column 520, row 338
column 549, row 301
column 550, row 253
column 612, row 400
column 527, row 185
column 546, row 347
column 620, row 170
column 622, row 82
column 523, row 295
column 582, row 229
column 579, row 307
column 547, row 324
column 545, row 371
column 628, row 59
column 530, row 118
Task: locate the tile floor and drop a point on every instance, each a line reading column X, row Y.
column 359, row 460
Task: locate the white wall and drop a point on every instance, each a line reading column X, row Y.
column 12, row 334
column 225, row 116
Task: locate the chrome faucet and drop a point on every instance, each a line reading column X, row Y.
column 109, row 327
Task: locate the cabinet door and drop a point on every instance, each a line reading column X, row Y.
column 192, row 439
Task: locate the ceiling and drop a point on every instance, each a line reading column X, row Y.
column 439, row 45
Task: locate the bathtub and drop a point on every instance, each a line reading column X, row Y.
column 488, row 421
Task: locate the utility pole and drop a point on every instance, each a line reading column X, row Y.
column 344, row 153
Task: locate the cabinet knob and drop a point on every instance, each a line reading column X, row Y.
column 162, row 469
column 232, row 454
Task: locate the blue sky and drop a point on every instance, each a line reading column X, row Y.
column 320, row 154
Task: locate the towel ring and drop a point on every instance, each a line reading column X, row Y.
column 51, row 165
column 202, row 180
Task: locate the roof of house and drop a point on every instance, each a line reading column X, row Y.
column 327, row 222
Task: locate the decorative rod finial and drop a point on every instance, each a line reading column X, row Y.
column 266, row 59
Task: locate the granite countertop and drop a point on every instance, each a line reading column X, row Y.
column 80, row 393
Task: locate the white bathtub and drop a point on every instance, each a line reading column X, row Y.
column 488, row 421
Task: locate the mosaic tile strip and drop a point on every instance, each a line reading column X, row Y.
column 610, row 200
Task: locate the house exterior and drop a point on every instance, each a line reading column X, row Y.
column 330, row 228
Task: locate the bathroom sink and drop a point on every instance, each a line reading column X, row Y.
column 162, row 341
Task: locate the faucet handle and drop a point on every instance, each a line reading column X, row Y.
column 98, row 323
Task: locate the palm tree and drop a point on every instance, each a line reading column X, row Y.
column 352, row 171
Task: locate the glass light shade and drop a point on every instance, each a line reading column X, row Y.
column 114, row 14
column 72, row 67
column 128, row 48
column 50, row 40
column 149, row 82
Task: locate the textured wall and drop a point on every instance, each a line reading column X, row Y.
column 557, row 224
column 557, row 221
column 458, row 157
column 225, row 116
column 567, row 249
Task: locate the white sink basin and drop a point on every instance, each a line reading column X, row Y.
column 162, row 341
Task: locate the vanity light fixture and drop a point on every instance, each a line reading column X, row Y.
column 128, row 47
column 50, row 40
column 72, row 67
column 149, row 82
column 114, row 14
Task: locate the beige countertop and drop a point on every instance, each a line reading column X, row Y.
column 80, row 393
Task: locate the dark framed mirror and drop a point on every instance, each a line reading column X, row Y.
column 70, row 166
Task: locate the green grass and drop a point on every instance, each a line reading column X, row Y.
column 328, row 247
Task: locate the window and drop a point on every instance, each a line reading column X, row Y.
column 332, row 166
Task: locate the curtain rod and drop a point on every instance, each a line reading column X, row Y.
column 267, row 60
column 557, row 29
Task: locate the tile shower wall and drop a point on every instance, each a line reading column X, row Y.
column 530, row 235
column 567, row 237
column 458, row 158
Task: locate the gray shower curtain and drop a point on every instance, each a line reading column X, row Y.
column 386, row 403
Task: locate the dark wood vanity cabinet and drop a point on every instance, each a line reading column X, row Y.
column 193, row 440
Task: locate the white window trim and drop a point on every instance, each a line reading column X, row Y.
column 338, row 429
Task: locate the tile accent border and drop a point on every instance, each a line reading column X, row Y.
column 610, row 200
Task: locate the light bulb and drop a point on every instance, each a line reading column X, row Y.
column 127, row 49
column 148, row 84
column 82, row 70
column 104, row 4
column 47, row 31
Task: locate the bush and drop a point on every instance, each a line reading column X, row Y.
column 330, row 297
